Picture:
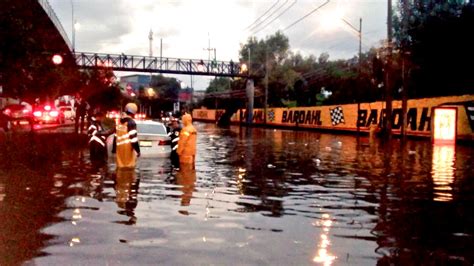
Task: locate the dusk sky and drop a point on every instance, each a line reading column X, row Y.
column 123, row 26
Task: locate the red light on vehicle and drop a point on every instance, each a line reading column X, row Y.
column 37, row 113
column 54, row 113
column 7, row 111
column 140, row 116
column 47, row 107
column 163, row 142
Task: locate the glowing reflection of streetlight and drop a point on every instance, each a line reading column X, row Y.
column 2, row 192
column 443, row 171
column 74, row 241
column 77, row 214
column 323, row 256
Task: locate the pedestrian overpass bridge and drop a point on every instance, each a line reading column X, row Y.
column 150, row 64
column 132, row 63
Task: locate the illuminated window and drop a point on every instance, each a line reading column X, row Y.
column 444, row 128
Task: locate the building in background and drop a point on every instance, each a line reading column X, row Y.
column 134, row 82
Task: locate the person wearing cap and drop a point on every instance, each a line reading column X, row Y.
column 97, row 136
column 174, row 136
column 126, row 139
column 187, row 143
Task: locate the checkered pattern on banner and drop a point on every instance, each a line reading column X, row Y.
column 337, row 115
column 470, row 114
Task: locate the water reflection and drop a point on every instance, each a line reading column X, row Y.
column 443, row 171
column 126, row 190
column 323, row 255
column 371, row 203
column 186, row 179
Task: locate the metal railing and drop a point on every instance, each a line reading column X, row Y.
column 122, row 62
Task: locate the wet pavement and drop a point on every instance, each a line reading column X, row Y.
column 257, row 197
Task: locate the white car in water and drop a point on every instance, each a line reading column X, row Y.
column 152, row 137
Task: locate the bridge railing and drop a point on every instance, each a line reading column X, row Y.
column 122, row 62
column 54, row 18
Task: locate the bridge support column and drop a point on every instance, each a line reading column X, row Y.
column 250, row 89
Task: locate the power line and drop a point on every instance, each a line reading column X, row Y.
column 268, row 10
column 279, row 15
column 269, row 16
column 305, row 16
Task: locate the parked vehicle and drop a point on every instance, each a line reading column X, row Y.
column 68, row 112
column 15, row 115
column 152, row 137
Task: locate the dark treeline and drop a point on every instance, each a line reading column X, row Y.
column 432, row 43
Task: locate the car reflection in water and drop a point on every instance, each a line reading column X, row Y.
column 126, row 189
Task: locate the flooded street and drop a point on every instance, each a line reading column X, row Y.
column 257, row 197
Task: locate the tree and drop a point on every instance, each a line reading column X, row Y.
column 434, row 38
column 167, row 88
column 218, row 85
column 271, row 52
column 26, row 49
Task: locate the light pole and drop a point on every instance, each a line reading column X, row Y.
column 73, row 27
column 73, row 32
column 359, row 31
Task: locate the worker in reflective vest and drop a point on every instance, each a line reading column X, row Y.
column 126, row 139
column 174, row 136
column 97, row 136
column 187, row 142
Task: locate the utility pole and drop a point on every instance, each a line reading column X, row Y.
column 404, row 55
column 250, row 63
column 150, row 38
column 360, row 74
column 265, row 107
column 403, row 117
column 388, row 70
column 73, row 29
column 209, row 49
column 359, row 33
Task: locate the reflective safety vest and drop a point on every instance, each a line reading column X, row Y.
column 93, row 131
column 126, row 157
column 174, row 136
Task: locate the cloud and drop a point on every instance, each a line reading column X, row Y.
column 187, row 26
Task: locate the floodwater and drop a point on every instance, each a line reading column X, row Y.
column 257, row 197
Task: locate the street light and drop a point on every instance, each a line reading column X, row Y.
column 57, row 59
column 74, row 26
column 243, row 68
